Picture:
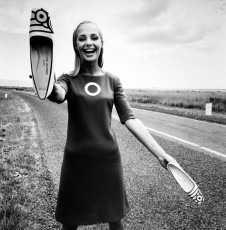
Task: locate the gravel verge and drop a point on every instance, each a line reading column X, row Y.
column 27, row 194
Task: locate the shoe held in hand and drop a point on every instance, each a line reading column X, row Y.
column 41, row 52
column 186, row 182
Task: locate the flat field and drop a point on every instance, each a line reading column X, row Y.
column 188, row 103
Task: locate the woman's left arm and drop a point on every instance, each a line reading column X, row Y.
column 137, row 128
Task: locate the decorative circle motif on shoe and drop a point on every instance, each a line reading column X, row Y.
column 98, row 89
column 199, row 198
column 41, row 16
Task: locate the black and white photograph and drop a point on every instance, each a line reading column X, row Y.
column 113, row 115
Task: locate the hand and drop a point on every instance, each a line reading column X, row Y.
column 164, row 160
column 55, row 87
column 54, row 92
column 58, row 93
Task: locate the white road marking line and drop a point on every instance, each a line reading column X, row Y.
column 180, row 117
column 184, row 141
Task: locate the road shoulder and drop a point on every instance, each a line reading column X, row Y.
column 26, row 183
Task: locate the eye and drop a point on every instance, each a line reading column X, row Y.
column 95, row 37
column 81, row 38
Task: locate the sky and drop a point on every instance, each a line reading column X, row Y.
column 161, row 44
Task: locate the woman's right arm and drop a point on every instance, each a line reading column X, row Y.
column 58, row 94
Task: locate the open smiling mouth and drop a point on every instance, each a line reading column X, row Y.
column 89, row 51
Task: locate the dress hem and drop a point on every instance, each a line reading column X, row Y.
column 92, row 222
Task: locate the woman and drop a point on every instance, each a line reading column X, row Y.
column 91, row 186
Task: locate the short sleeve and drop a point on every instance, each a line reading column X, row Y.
column 64, row 81
column 121, row 103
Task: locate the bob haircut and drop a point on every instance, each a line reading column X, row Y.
column 77, row 64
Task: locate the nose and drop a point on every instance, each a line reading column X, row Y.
column 88, row 42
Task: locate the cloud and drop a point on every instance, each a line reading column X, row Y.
column 65, row 15
column 12, row 3
column 176, row 33
column 15, row 15
column 167, row 22
column 173, row 22
column 141, row 14
column 146, row 12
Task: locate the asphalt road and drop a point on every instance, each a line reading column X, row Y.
column 197, row 133
column 156, row 200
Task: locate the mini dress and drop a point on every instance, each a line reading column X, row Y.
column 92, row 188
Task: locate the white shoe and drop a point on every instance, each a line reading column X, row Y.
column 41, row 52
column 186, row 182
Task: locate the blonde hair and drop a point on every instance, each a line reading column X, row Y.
column 77, row 63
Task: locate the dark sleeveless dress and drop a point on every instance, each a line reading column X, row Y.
column 91, row 185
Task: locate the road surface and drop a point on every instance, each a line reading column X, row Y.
column 204, row 135
column 156, row 200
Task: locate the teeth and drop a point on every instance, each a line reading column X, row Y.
column 89, row 51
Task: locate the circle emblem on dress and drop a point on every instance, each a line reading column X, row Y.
column 98, row 89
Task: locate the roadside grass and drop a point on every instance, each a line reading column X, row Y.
column 188, row 103
column 190, row 99
column 19, row 88
column 27, row 193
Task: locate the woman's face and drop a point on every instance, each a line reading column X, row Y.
column 88, row 42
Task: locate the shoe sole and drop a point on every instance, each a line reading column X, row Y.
column 41, row 49
column 185, row 182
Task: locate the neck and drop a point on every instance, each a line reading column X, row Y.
column 91, row 69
